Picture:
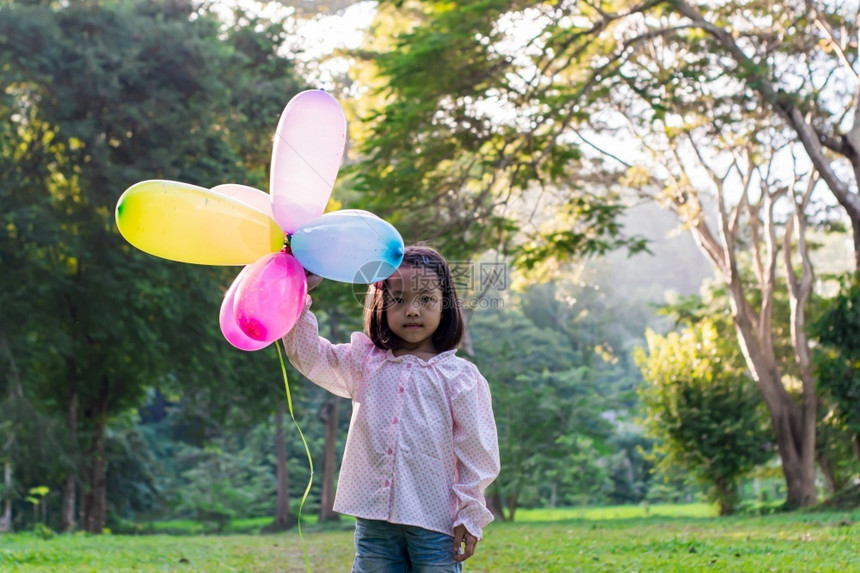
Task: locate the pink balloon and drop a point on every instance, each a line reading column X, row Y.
column 247, row 195
column 270, row 297
column 229, row 327
column 306, row 156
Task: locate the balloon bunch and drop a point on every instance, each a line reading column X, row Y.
column 278, row 235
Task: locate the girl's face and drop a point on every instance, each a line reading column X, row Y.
column 413, row 308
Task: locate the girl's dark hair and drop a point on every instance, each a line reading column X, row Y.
column 450, row 329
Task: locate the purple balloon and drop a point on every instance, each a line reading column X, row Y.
column 227, row 319
column 271, row 296
column 306, row 156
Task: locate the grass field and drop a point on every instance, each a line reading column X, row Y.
column 669, row 538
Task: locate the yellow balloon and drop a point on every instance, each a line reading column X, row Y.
column 191, row 224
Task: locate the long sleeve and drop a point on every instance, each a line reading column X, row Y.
column 335, row 367
column 476, row 447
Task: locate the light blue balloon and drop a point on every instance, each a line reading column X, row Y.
column 350, row 246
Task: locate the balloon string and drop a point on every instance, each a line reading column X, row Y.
column 307, row 451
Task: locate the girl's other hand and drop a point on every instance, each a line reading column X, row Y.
column 313, row 280
column 462, row 537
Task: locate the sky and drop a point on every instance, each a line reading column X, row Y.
column 315, row 33
column 321, row 35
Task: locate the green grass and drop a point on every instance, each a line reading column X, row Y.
column 604, row 539
column 191, row 527
column 259, row 524
column 617, row 512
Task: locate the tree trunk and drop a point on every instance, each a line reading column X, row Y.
column 328, row 413
column 6, row 517
column 67, row 517
column 16, row 392
column 799, row 290
column 466, row 342
column 94, row 464
column 831, row 479
column 793, row 425
column 282, row 511
column 494, row 504
column 94, row 499
column 795, row 435
column 512, row 506
column 727, row 496
column 798, row 463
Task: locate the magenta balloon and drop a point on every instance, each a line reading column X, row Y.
column 227, row 319
column 270, row 297
column 306, row 156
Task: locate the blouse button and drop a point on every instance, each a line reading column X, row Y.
column 390, row 451
column 387, row 483
column 394, row 421
column 400, row 389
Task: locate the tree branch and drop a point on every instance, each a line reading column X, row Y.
column 784, row 107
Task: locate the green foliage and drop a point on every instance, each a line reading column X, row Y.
column 698, row 401
column 132, row 482
column 36, row 446
column 191, row 455
column 837, row 360
column 547, row 410
column 464, row 125
column 221, row 486
column 42, row 531
column 36, row 494
column 96, row 97
column 629, row 466
column 587, row 226
column 835, row 447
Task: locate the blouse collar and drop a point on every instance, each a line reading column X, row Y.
column 411, row 358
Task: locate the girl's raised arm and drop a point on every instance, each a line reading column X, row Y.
column 335, row 367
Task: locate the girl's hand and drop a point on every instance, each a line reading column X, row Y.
column 463, row 537
column 313, row 280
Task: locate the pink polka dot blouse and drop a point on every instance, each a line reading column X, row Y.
column 422, row 444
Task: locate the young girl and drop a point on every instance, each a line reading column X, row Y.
column 422, row 444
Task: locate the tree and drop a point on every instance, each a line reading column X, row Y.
column 477, row 118
column 698, row 133
column 630, row 467
column 227, row 478
column 800, row 60
column 545, row 405
column 460, row 133
column 99, row 96
column 31, row 444
column 699, row 403
column 752, row 225
column 329, row 414
column 838, row 358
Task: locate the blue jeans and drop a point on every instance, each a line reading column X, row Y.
column 383, row 547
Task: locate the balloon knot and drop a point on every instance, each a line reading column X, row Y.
column 286, row 248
